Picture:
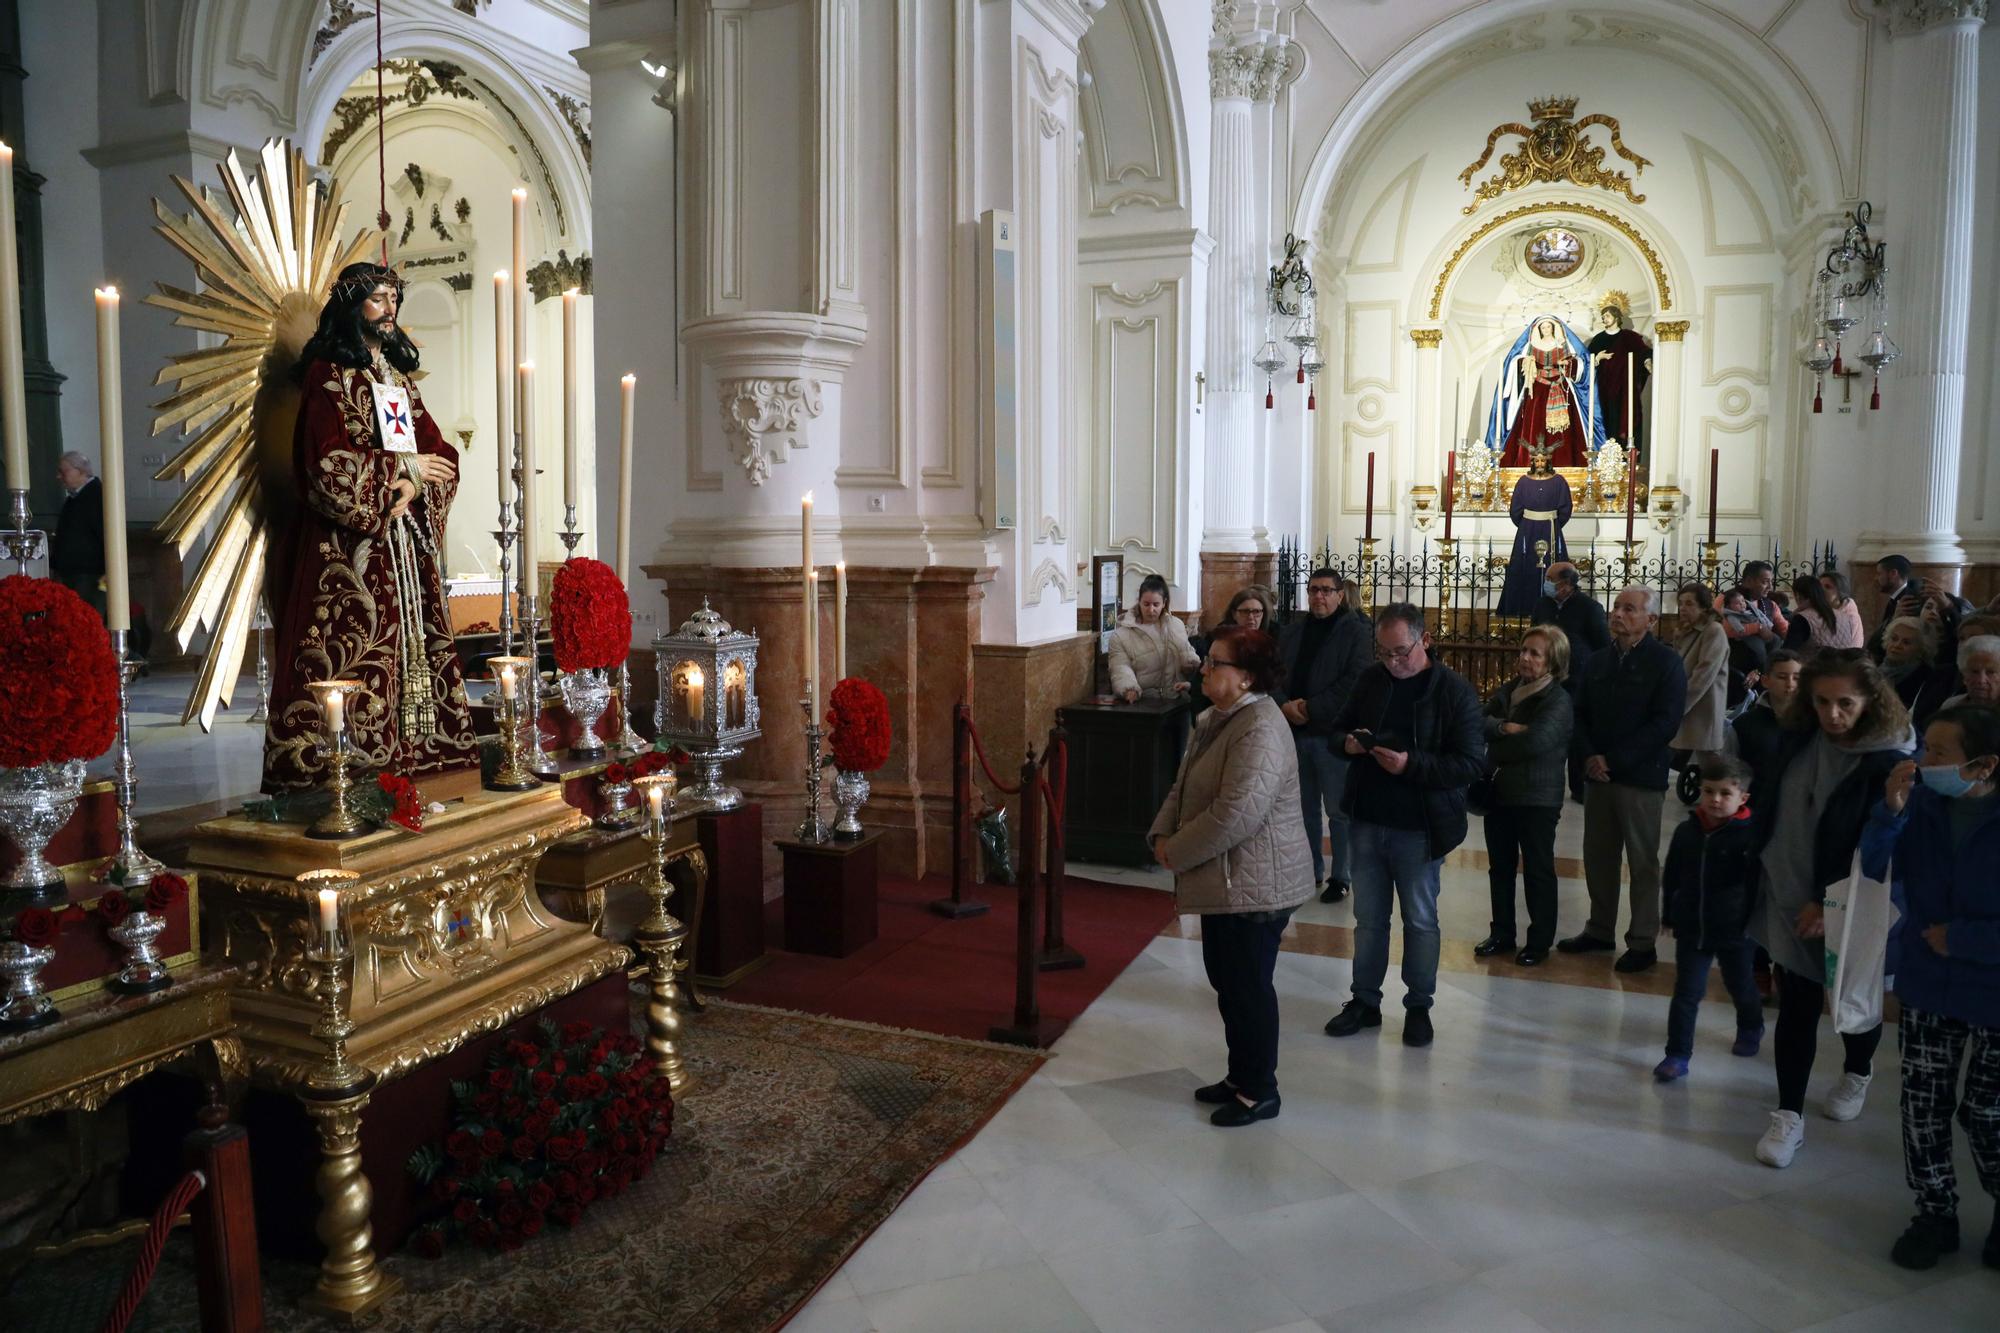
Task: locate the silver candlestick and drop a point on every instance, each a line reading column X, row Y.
column 539, row 761
column 504, row 535
column 21, row 542
column 629, row 740
column 571, row 533
column 262, row 624
column 812, row 828
column 130, row 866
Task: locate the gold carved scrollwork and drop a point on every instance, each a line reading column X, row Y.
column 1554, row 151
column 1557, row 208
column 1431, row 338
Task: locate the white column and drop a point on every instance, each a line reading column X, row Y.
column 1241, row 68
column 1931, row 293
column 1428, row 456
column 1664, row 455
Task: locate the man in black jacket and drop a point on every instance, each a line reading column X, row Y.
column 1567, row 606
column 76, row 553
column 1323, row 654
column 1412, row 729
column 1628, row 705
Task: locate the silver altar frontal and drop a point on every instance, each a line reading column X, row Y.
column 708, row 700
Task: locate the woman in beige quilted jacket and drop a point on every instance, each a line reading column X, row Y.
column 1230, row 832
column 1150, row 653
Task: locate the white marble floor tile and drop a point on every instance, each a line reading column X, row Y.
column 1298, row 1326
column 829, row 1313
column 1966, row 1302
column 1184, row 1281
column 1468, row 1306
column 1223, row 1174
column 1038, row 1124
column 1481, row 1215
column 1092, row 1200
column 999, row 1300
column 1611, row 1284
column 1332, row 1254
column 944, row 1229
column 1145, row 1107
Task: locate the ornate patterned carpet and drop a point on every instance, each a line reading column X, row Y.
column 802, row 1135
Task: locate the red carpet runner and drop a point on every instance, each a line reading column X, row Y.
column 956, row 978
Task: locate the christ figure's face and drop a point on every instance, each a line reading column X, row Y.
column 378, row 312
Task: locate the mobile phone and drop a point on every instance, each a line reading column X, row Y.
column 1363, row 737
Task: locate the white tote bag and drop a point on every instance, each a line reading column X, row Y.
column 1859, row 915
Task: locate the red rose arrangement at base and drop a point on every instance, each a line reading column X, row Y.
column 589, row 617
column 617, row 773
column 560, row 1120
column 40, row 925
column 58, row 678
column 389, row 798
column 857, row 714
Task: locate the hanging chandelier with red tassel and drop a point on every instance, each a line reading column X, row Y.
column 1289, row 296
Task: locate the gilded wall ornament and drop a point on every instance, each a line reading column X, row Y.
column 553, row 277
column 1555, row 211
column 1553, row 150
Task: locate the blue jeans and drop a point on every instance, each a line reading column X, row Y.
column 1691, row 983
column 1322, row 778
column 1395, row 860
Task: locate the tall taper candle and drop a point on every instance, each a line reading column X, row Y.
column 518, row 276
column 1368, row 520
column 13, row 388
column 809, row 613
column 111, row 465
column 839, row 621
column 1631, row 394
column 1450, row 485
column 628, row 391
column 530, row 574
column 1631, row 488
column 569, row 398
column 812, row 639
column 503, row 389
column 1714, row 476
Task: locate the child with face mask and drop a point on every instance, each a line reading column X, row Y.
column 1936, row 837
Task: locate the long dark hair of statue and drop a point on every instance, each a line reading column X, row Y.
column 339, row 336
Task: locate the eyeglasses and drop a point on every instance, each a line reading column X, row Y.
column 1213, row 661
column 1321, row 589
column 1395, row 654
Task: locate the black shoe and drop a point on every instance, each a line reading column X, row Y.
column 1215, row 1094
column 1635, row 960
column 1417, row 1030
column 1493, row 944
column 1531, row 957
column 1336, row 890
column 1581, row 943
column 1236, row 1113
column 1353, row 1017
column 1928, row 1239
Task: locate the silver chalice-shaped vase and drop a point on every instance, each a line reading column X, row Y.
column 35, row 803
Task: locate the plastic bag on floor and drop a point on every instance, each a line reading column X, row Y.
column 1859, row 916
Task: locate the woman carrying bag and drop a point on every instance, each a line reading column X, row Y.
column 1230, row 831
column 1528, row 725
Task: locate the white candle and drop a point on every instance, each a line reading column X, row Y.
column 336, row 711
column 697, row 689
column 812, row 639
column 13, row 387
column 329, row 911
column 525, row 405
column 503, row 390
column 839, row 620
column 111, row 437
column 570, row 486
column 656, row 796
column 517, row 350
column 507, row 682
column 628, row 392
column 810, row 612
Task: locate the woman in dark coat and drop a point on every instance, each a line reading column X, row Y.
column 1528, row 725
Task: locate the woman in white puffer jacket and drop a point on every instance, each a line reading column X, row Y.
column 1150, row 653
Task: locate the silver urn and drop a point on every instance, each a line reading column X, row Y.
column 35, row 803
column 850, row 793
column 143, row 970
column 22, row 1003
column 587, row 694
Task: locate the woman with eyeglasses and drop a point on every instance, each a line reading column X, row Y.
column 1229, row 831
column 1253, row 607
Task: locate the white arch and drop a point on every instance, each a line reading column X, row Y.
column 1766, row 76
column 1153, row 100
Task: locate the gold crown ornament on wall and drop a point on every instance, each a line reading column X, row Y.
column 1554, row 150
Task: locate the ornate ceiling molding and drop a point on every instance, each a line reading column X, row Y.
column 576, row 114
column 1554, row 209
column 1916, row 15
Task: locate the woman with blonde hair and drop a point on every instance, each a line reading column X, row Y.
column 1704, row 650
column 1528, row 726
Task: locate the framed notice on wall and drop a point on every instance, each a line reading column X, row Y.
column 1107, row 581
column 999, row 436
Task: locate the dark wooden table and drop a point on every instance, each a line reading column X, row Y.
column 1122, row 760
column 830, row 895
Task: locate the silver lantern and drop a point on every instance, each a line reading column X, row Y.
column 707, row 703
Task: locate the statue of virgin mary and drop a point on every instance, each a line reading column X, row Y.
column 1547, row 391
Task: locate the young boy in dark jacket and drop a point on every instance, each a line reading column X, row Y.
column 1936, row 836
column 1710, row 884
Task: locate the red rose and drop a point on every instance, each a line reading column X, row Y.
column 510, row 1241
column 510, row 1214
column 620, row 1144
column 523, row 1148
column 590, row 618
column 501, row 1080
column 491, row 1142
column 512, row 1107
column 483, row 1232
column 595, row 1085
column 465, row 1210
column 531, row 1226
column 430, row 1243
column 617, row 774
column 113, row 907
column 558, row 1065
column 586, row 1194
column 485, row 1103
column 538, row 1127
column 504, row 1187
column 36, row 926
column 547, row 1106
column 461, row 1145
column 562, row 1149
column 165, row 893
column 590, row 1163
column 573, row 1088
column 543, row 1082
column 540, row 1195
column 858, row 715
column 71, row 916
column 567, row 1214
column 58, row 679
column 566, row 1183
column 576, row 1030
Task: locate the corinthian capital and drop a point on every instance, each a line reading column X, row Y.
column 1249, row 69
column 1917, row 15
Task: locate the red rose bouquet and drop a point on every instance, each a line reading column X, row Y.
column 617, row 773
column 562, row 1119
column 58, row 678
column 390, row 799
column 40, row 925
column 858, row 715
column 589, row 617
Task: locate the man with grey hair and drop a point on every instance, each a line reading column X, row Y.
column 76, row 553
column 1629, row 703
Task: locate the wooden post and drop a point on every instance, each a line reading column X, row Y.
column 1028, row 1029
column 1057, row 956
column 225, row 1226
column 962, row 841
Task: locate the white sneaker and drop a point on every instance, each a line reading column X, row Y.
column 1844, row 1102
column 1782, row 1141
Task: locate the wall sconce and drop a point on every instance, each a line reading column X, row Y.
column 1666, row 506
column 1423, row 506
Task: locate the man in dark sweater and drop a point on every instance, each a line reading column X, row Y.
column 1413, row 733
column 76, row 552
column 1565, row 605
column 1323, row 654
column 1628, row 705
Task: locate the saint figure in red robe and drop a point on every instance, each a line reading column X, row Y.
column 1548, row 380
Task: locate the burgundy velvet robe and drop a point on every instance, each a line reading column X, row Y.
column 337, row 614
column 1567, row 429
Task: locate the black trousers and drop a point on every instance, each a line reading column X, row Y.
column 1239, row 954
column 1934, row 1047
column 1801, row 1000
column 1525, row 834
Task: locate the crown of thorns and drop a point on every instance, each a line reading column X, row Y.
column 359, row 288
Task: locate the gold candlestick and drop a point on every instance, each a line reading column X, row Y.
column 332, row 697
column 1447, row 567
column 511, row 774
column 1711, row 564
column 659, row 937
column 1367, row 579
column 1630, row 553
column 351, row 1284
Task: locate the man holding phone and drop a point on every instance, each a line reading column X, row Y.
column 1412, row 733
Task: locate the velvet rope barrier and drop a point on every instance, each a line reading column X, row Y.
column 141, row 1277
